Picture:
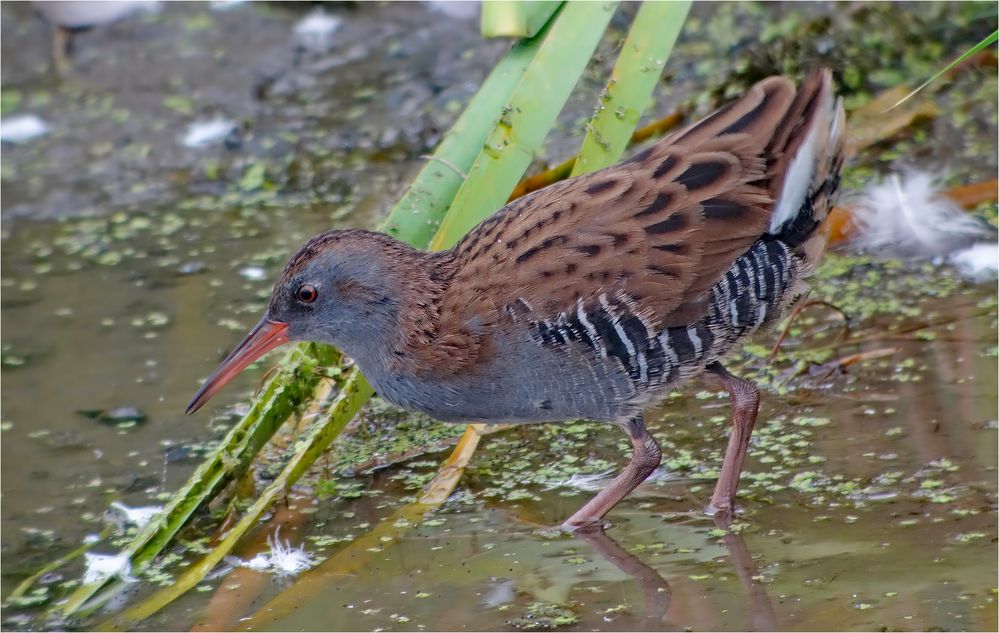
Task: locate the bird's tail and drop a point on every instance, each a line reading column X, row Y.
column 809, row 150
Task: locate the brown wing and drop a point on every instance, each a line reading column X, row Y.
column 662, row 227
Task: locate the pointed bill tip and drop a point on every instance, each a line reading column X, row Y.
column 264, row 337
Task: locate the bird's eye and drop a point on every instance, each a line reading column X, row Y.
column 306, row 293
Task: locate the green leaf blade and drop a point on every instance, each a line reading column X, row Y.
column 516, row 18
column 527, row 118
column 639, row 67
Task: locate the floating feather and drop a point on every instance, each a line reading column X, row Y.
column 908, row 216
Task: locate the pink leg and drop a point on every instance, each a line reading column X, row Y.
column 745, row 406
column 644, row 460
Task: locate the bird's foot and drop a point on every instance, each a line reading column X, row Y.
column 721, row 511
column 575, row 524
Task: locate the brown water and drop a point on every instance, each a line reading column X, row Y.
column 130, row 265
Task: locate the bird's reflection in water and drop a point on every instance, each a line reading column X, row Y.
column 762, row 616
column 656, row 590
column 654, row 586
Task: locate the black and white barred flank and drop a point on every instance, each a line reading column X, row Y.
column 753, row 292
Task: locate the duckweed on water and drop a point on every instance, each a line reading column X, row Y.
column 543, row 616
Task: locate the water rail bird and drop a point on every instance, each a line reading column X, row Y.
column 590, row 298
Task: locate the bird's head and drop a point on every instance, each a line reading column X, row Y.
column 338, row 289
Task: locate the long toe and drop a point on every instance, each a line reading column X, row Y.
column 574, row 524
column 725, row 511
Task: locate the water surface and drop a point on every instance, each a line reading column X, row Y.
column 131, row 264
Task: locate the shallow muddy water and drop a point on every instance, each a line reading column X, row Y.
column 131, row 264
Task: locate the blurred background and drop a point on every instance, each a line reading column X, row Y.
column 159, row 168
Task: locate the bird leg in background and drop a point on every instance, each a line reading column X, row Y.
column 62, row 42
column 645, row 458
column 745, row 406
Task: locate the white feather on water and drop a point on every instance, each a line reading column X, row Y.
column 22, row 128
column 253, row 273
column 586, row 482
column 978, row 262
column 315, row 31
column 135, row 516
column 207, row 132
column 908, row 216
column 282, row 560
column 287, row 560
column 100, row 567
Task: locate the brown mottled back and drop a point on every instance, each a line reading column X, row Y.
column 662, row 227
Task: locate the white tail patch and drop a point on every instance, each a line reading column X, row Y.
column 803, row 170
column 797, row 182
column 908, row 216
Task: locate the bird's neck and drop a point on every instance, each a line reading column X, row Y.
column 383, row 339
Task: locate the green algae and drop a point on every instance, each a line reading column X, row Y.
column 542, row 616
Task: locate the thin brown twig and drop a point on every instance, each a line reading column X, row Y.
column 829, row 368
column 895, row 334
column 659, row 126
column 842, row 335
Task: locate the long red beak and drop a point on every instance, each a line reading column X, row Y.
column 264, row 337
